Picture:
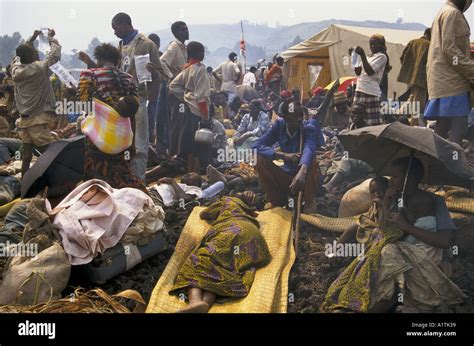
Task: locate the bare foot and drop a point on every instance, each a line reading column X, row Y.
column 213, row 175
column 200, row 307
column 268, row 206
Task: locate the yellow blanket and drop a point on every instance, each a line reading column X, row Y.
column 269, row 292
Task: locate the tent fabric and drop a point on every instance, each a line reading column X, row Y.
column 337, row 39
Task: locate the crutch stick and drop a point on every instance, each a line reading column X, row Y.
column 296, row 222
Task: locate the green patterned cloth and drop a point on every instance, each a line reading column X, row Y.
column 229, row 254
column 354, row 287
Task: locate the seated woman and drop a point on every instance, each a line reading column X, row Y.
column 213, row 269
column 392, row 263
column 253, row 125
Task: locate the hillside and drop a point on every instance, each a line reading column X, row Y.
column 220, row 39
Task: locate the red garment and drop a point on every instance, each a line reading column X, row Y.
column 190, row 63
column 204, row 109
column 317, row 91
column 275, row 69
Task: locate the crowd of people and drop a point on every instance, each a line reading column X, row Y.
column 253, row 112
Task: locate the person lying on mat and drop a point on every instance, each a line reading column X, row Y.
column 301, row 170
column 223, row 265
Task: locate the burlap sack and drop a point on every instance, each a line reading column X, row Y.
column 356, row 200
column 34, row 280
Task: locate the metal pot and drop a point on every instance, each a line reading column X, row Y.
column 204, row 136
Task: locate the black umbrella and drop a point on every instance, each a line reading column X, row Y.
column 324, row 107
column 62, row 164
column 445, row 163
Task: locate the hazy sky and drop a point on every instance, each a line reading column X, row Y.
column 77, row 22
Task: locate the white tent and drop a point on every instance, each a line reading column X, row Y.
column 324, row 57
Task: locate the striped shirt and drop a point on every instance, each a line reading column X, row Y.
column 107, row 84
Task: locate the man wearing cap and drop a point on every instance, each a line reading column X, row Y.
column 300, row 171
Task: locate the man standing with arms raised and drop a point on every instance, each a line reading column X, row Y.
column 34, row 95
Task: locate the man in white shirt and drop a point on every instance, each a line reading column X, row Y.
column 173, row 59
column 175, row 55
column 230, row 72
column 370, row 74
column 249, row 77
column 133, row 43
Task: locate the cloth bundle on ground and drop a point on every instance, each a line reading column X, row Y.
column 15, row 222
column 9, row 189
column 421, row 273
column 39, row 269
column 11, row 168
column 269, row 291
column 244, row 170
column 109, row 132
column 30, row 281
column 148, row 221
column 356, row 200
column 95, row 217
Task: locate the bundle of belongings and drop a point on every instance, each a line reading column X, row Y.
column 100, row 230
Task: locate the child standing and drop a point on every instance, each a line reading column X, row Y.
column 192, row 86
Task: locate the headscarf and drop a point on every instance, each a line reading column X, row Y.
column 381, row 39
column 286, row 94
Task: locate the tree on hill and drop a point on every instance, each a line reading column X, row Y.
column 8, row 46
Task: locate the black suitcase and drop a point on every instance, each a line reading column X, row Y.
column 119, row 259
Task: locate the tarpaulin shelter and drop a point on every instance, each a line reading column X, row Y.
column 324, row 57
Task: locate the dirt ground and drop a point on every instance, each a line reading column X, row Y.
column 310, row 277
